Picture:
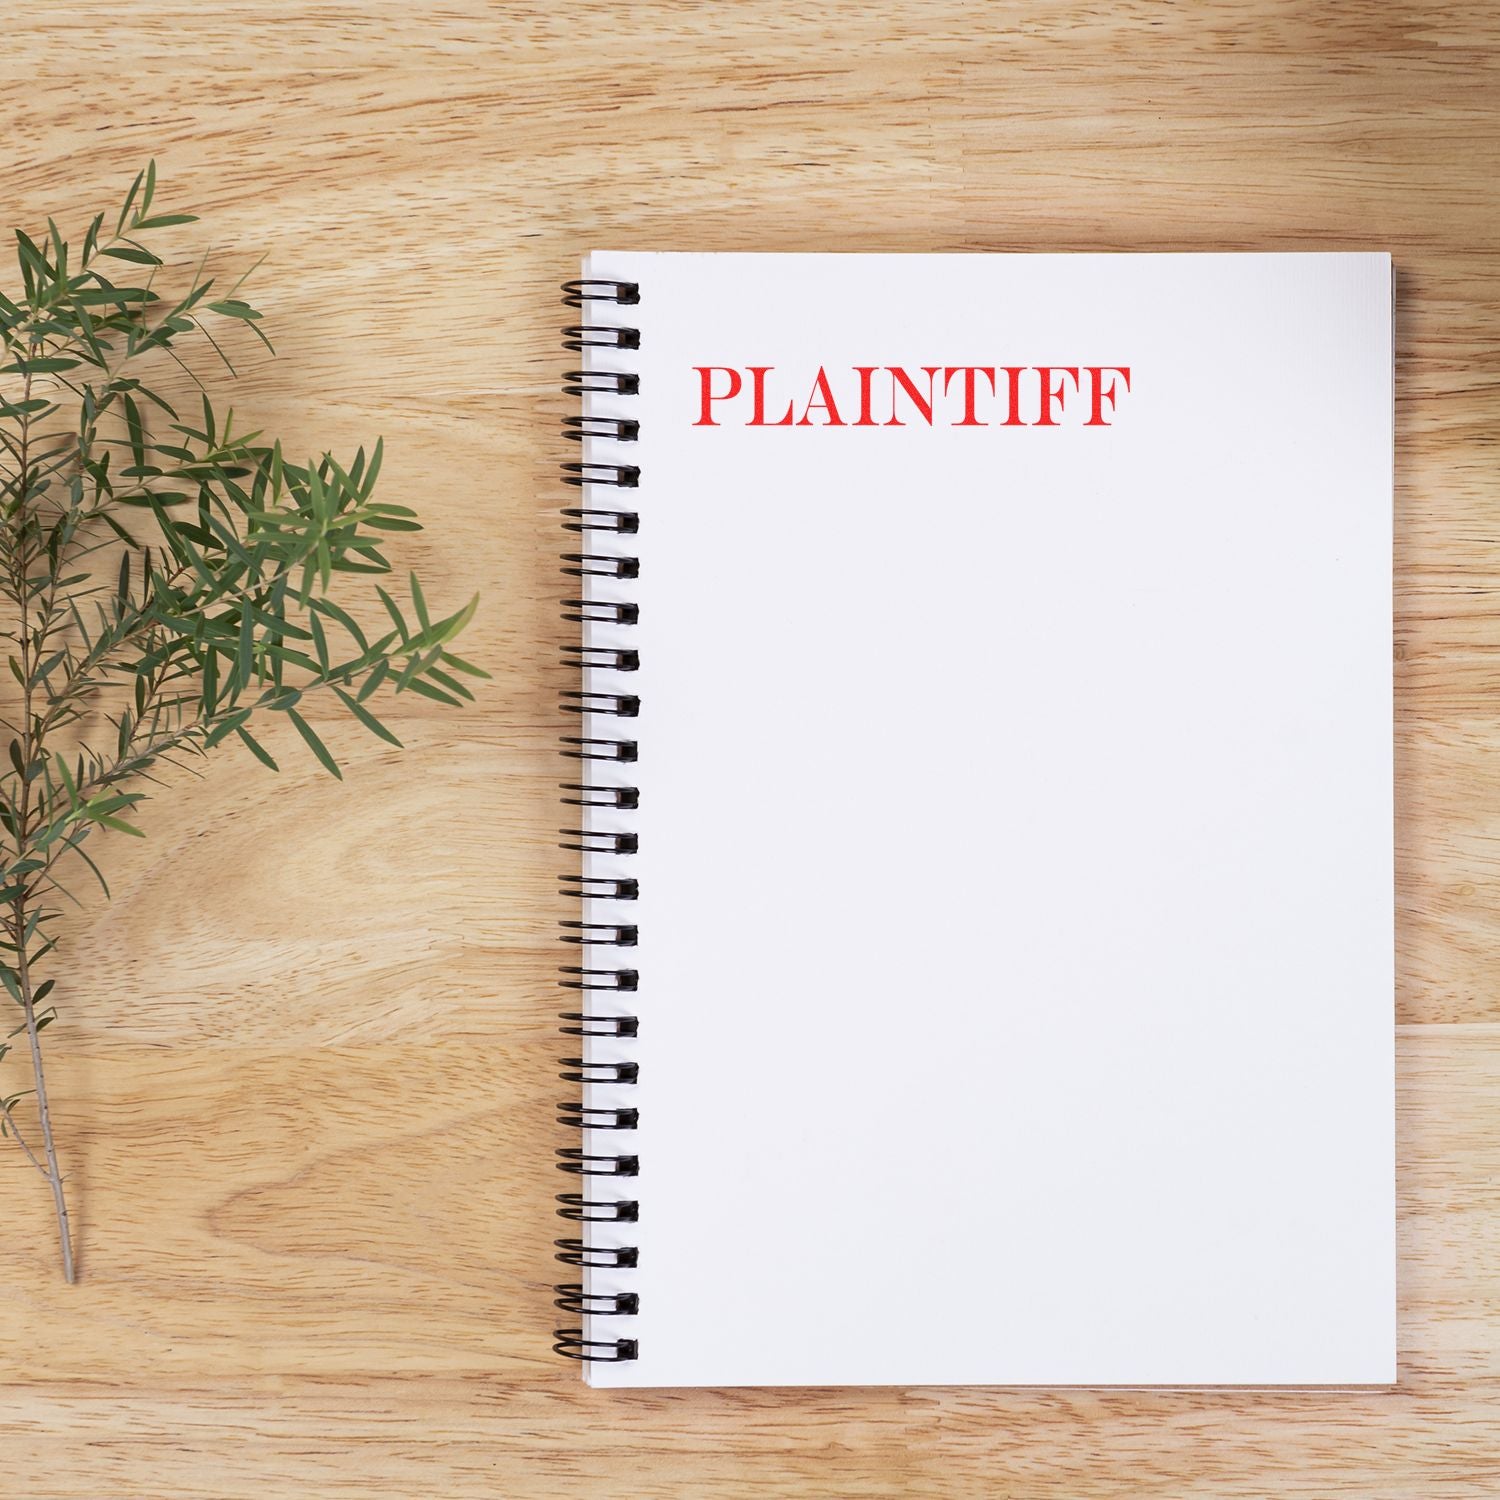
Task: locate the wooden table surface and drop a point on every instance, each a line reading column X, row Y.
column 304, row 1073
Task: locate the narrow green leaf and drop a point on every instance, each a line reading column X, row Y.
column 426, row 690
column 328, row 607
column 133, row 253
column 98, row 873
column 449, row 684
column 117, row 824
column 244, row 658
column 377, row 675
column 137, row 431
column 368, row 719
column 320, row 641
column 42, row 365
column 226, row 726
column 466, row 667
column 394, row 613
column 118, row 530
column 235, row 309
column 372, row 473
column 258, row 750
column 314, row 744
column 69, row 785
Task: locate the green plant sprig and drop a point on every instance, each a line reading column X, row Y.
column 167, row 578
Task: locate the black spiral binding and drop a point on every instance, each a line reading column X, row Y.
column 594, row 944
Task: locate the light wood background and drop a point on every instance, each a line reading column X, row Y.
column 304, row 1072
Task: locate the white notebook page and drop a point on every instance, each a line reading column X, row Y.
column 1015, row 827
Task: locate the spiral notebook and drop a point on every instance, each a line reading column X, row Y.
column 979, row 801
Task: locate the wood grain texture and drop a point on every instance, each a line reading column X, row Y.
column 303, row 1079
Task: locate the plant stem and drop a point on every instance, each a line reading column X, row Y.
column 29, row 748
column 49, row 1149
column 15, row 1130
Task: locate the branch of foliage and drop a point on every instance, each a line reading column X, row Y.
column 219, row 611
column 168, row 576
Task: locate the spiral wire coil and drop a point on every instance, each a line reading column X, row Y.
column 597, row 969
